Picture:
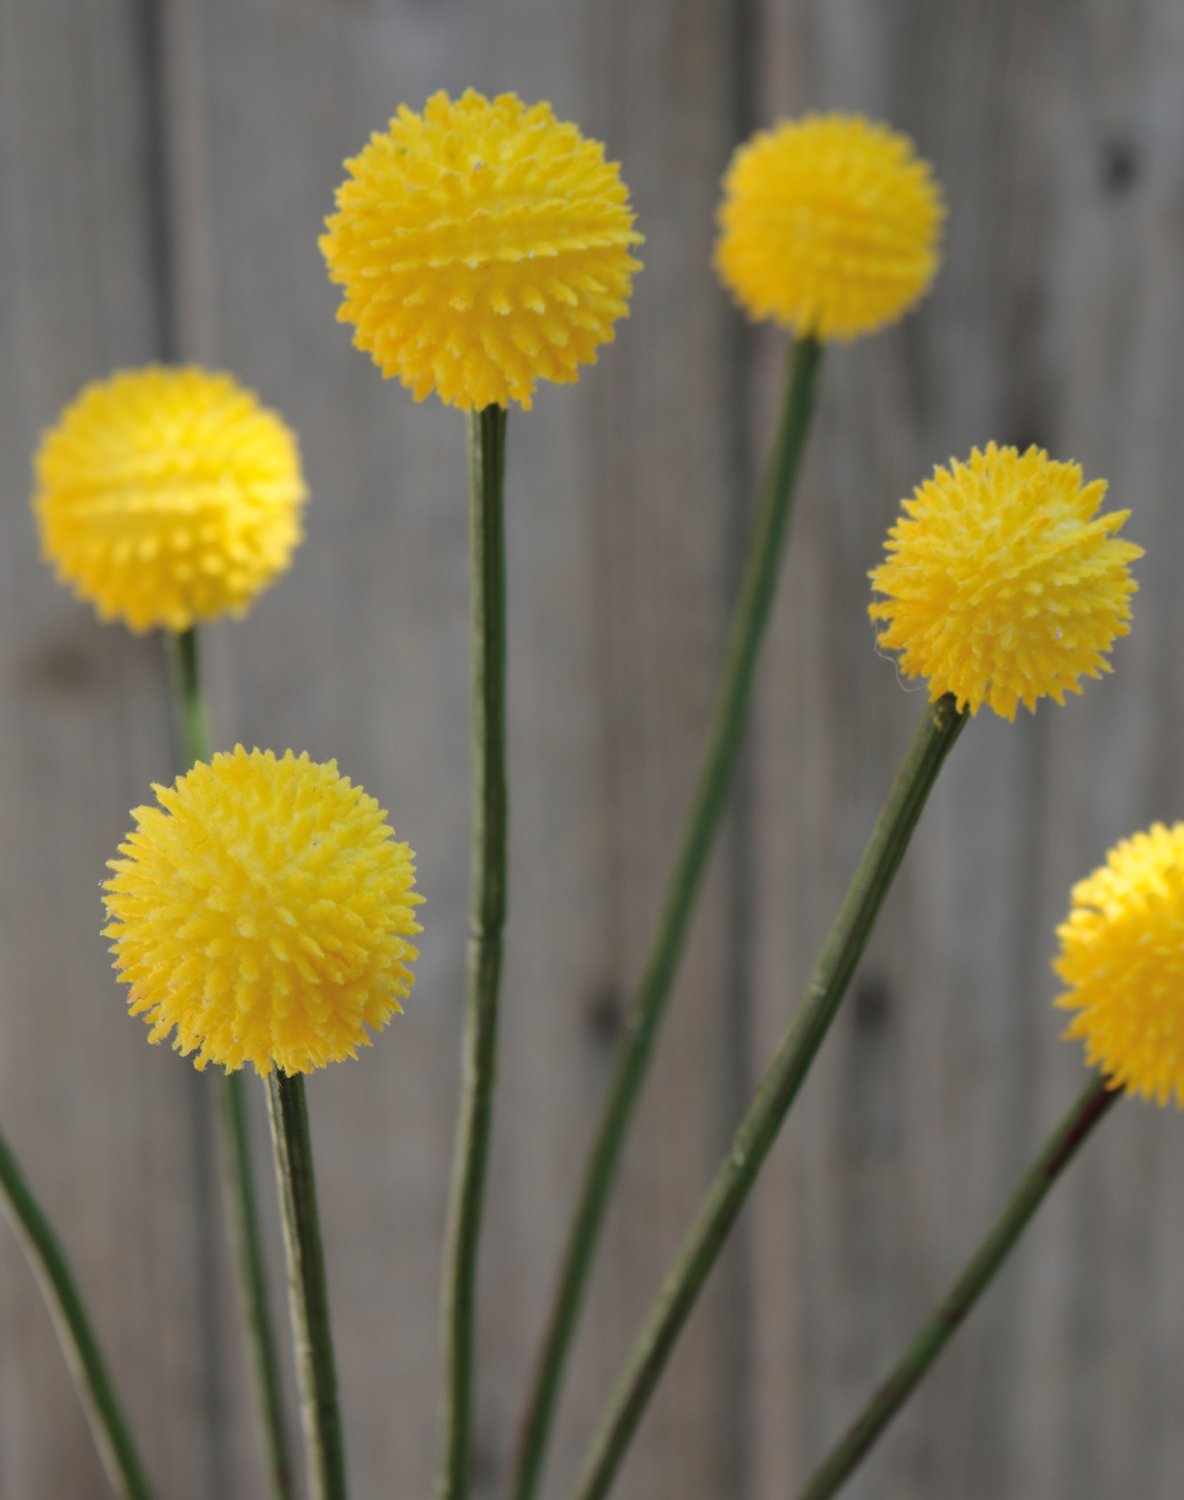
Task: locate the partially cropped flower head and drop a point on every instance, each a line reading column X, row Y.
column 1003, row 584
column 829, row 226
column 263, row 913
column 165, row 496
column 482, row 246
column 1122, row 958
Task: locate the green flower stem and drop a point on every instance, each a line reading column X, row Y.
column 1058, row 1151
column 633, row 1053
column 77, row 1337
column 487, row 915
column 238, row 1176
column 308, row 1292
column 845, row 943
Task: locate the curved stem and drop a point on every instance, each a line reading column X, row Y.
column 487, row 914
column 633, row 1054
column 848, row 936
column 77, row 1337
column 308, row 1292
column 933, row 1335
column 239, row 1191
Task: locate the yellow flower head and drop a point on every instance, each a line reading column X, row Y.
column 1003, row 583
column 483, row 246
column 167, row 496
column 1122, row 957
column 829, row 226
column 262, row 913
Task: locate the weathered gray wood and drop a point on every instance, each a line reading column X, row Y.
column 163, row 171
column 1058, row 319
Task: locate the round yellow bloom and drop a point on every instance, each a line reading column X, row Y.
column 483, row 246
column 1122, row 956
column 262, row 913
column 167, row 496
column 1003, row 583
column 829, row 226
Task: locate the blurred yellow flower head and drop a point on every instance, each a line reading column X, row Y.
column 829, row 226
column 1003, row 583
column 262, row 913
column 1122, row 958
column 166, row 496
column 482, row 246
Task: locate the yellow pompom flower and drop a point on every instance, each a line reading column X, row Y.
column 262, row 913
column 483, row 246
column 1122, row 958
column 165, row 496
column 1003, row 583
column 829, row 226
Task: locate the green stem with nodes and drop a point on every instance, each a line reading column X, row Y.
column 933, row 1335
column 77, row 1337
column 308, row 1291
column 848, row 936
column 633, row 1054
column 487, row 915
column 238, row 1176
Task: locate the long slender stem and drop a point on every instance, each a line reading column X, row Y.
column 848, row 936
column 633, row 1054
column 77, row 1337
column 487, row 914
column 939, row 1327
column 308, row 1292
column 238, row 1175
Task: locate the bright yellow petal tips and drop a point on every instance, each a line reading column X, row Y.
column 829, row 226
column 262, row 913
column 482, row 246
column 1003, row 583
column 166, row 496
column 1122, row 958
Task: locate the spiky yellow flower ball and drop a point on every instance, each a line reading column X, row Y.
column 1003, row 583
column 1122, row 957
column 829, row 226
column 483, row 246
column 262, row 913
column 165, row 496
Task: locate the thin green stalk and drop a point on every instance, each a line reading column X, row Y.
column 111, row 1433
column 238, row 1176
column 487, row 915
column 848, row 936
column 633, row 1053
column 1058, row 1151
column 308, row 1292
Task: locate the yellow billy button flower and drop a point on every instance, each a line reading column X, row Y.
column 829, row 226
column 1122, row 958
column 165, row 496
column 482, row 246
column 262, row 913
column 1003, row 584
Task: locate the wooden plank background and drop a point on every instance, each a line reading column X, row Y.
column 164, row 165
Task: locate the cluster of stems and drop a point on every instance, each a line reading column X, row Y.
column 940, row 727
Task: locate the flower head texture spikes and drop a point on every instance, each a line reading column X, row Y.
column 262, row 913
column 1003, row 583
column 829, row 226
column 166, row 496
column 1122, row 958
column 482, row 246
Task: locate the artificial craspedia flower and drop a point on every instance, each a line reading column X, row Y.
column 829, row 226
column 1122, row 958
column 263, row 912
column 482, row 246
column 166, row 496
column 1003, row 583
